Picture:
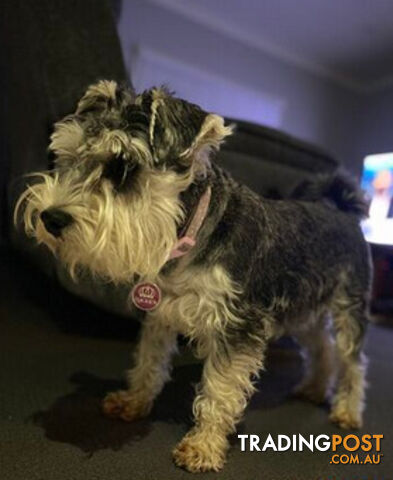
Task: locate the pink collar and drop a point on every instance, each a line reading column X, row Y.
column 187, row 241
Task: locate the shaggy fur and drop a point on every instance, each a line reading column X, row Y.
column 129, row 172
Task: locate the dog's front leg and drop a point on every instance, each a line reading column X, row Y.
column 220, row 402
column 148, row 375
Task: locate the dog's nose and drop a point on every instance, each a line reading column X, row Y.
column 55, row 220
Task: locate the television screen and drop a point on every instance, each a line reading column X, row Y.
column 377, row 182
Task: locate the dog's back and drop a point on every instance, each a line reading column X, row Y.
column 300, row 262
column 292, row 253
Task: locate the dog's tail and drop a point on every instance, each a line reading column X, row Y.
column 339, row 188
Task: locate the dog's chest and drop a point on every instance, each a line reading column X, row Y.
column 195, row 301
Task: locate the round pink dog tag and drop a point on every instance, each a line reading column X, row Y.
column 146, row 296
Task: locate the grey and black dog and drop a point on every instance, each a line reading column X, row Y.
column 132, row 173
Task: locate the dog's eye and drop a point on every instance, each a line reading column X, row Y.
column 119, row 171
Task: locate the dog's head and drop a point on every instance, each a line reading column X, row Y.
column 111, row 203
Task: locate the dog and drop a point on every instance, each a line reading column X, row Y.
column 136, row 197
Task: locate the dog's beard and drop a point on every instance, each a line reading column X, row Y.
column 116, row 236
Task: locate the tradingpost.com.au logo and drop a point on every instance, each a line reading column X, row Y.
column 346, row 449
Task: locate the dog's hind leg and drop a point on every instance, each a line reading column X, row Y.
column 146, row 379
column 318, row 349
column 350, row 317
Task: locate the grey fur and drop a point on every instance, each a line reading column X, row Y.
column 285, row 266
column 290, row 257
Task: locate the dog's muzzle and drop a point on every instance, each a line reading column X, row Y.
column 55, row 220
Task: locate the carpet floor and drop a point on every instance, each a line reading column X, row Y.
column 59, row 355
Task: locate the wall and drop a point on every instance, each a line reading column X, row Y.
column 160, row 45
column 376, row 129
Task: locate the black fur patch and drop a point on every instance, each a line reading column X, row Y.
column 288, row 256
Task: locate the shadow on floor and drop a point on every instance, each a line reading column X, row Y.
column 76, row 418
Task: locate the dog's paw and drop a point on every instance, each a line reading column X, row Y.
column 344, row 418
column 196, row 456
column 126, row 405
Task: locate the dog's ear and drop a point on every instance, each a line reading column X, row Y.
column 180, row 130
column 104, row 95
